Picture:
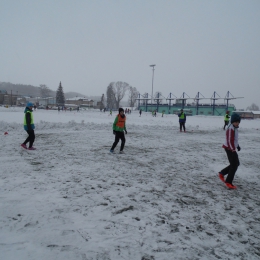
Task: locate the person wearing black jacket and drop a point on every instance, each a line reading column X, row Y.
column 29, row 126
column 140, row 112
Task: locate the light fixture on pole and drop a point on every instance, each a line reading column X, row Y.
column 152, row 82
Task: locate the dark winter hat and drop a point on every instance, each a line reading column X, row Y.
column 29, row 104
column 235, row 118
column 120, row 109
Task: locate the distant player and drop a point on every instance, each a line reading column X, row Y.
column 140, row 112
column 182, row 120
column 226, row 120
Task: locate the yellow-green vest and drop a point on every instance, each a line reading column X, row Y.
column 32, row 121
column 182, row 116
column 226, row 118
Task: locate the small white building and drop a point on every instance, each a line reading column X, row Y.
column 248, row 114
column 80, row 101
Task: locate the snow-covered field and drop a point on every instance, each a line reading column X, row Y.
column 72, row 199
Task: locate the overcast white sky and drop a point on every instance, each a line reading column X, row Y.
column 202, row 45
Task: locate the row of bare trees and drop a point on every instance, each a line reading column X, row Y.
column 253, row 107
column 46, row 92
column 116, row 92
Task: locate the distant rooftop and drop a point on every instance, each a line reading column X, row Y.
column 247, row 111
column 79, row 98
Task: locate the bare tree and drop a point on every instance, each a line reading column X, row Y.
column 133, row 95
column 116, row 92
column 119, row 89
column 253, row 107
column 102, row 102
column 45, row 91
column 111, row 97
column 144, row 101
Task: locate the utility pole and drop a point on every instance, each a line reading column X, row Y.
column 152, row 82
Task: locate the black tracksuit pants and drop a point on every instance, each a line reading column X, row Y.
column 225, row 124
column 118, row 136
column 232, row 168
column 30, row 138
column 182, row 125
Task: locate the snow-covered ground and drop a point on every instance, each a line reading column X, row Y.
column 72, row 199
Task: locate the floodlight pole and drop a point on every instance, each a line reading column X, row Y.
column 152, row 82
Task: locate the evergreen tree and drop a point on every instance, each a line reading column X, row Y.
column 60, row 98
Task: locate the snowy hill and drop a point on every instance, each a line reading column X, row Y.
column 29, row 90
